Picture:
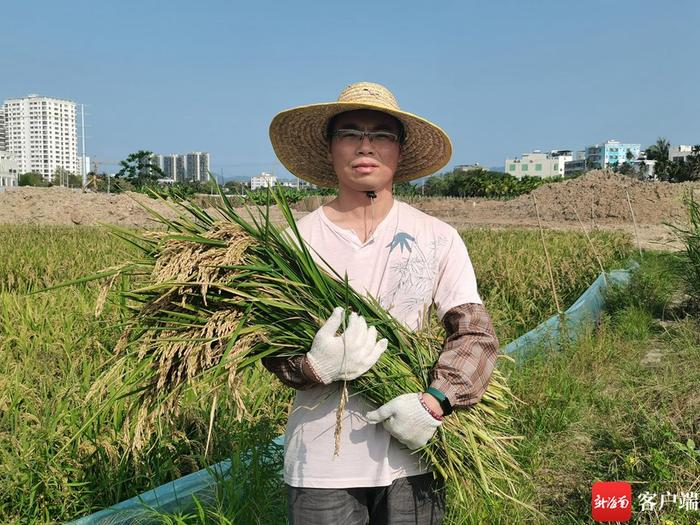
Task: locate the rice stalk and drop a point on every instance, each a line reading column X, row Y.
column 223, row 294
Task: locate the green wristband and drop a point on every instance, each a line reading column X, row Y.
column 436, row 394
column 442, row 398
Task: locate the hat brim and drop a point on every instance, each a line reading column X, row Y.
column 298, row 138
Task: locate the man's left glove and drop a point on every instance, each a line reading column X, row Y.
column 405, row 418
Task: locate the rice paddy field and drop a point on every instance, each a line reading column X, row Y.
column 601, row 409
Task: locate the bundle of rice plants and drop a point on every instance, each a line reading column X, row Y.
column 215, row 293
column 690, row 237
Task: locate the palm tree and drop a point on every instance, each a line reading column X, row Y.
column 659, row 151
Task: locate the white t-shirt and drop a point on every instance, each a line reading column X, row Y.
column 411, row 262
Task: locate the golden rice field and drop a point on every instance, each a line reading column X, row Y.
column 63, row 450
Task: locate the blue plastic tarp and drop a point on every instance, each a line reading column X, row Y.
column 586, row 310
column 176, row 496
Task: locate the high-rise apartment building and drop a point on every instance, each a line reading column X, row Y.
column 157, row 161
column 198, row 166
column 169, row 165
column 41, row 133
column 181, row 168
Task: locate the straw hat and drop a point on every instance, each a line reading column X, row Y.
column 298, row 136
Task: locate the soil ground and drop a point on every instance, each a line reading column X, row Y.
column 598, row 199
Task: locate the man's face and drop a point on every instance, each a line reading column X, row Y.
column 363, row 165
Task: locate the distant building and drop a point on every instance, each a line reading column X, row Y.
column 575, row 166
column 41, row 133
column 646, row 169
column 469, row 167
column 180, row 168
column 3, row 132
column 305, row 185
column 538, row 164
column 198, row 166
column 9, row 170
column 295, row 183
column 170, row 166
column 183, row 168
column 264, row 180
column 157, row 161
column 679, row 152
column 611, row 153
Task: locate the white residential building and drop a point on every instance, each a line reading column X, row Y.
column 170, row 166
column 3, row 133
column 41, row 133
column 198, row 166
column 264, row 180
column 182, row 168
column 538, row 164
column 679, row 152
column 157, row 160
column 646, row 169
column 9, row 171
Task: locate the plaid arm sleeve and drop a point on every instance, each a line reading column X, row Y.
column 290, row 371
column 465, row 364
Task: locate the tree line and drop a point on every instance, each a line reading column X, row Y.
column 473, row 183
column 680, row 170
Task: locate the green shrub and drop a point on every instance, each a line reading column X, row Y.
column 653, row 287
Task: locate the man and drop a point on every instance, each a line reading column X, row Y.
column 410, row 262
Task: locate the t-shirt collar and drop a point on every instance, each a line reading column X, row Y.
column 350, row 234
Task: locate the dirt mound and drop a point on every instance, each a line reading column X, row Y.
column 602, row 196
column 599, row 197
column 56, row 205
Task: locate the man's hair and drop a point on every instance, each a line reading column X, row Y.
column 330, row 127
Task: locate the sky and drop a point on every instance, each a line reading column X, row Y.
column 502, row 78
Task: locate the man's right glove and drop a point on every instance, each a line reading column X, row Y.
column 344, row 357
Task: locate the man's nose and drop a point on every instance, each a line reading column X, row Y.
column 365, row 146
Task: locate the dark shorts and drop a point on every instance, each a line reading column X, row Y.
column 415, row 500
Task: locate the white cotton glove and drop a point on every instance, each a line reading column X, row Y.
column 348, row 356
column 405, row 418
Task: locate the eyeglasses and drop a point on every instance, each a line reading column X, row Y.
column 355, row 136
